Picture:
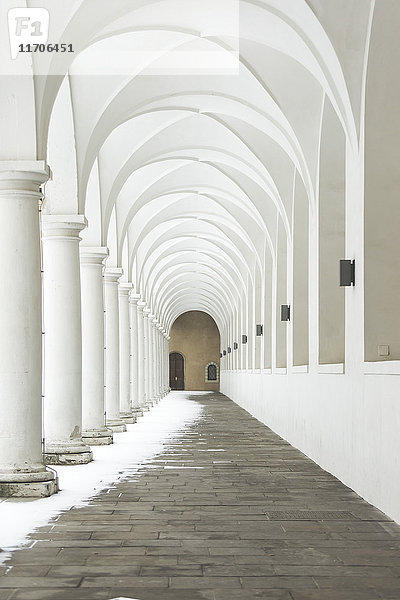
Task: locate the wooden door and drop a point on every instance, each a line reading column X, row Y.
column 176, row 371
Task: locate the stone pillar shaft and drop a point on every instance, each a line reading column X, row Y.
column 125, row 408
column 134, row 343
column 63, row 340
column 93, row 406
column 113, row 419
column 141, row 386
column 147, row 357
column 22, row 472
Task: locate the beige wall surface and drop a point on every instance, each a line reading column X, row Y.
column 195, row 335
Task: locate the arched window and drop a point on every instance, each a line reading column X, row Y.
column 212, row 372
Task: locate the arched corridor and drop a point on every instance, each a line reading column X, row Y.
column 202, row 196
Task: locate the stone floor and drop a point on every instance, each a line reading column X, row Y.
column 228, row 512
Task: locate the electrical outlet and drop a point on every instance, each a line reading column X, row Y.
column 383, row 350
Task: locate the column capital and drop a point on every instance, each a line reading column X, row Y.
column 23, row 176
column 134, row 298
column 160, row 327
column 63, row 226
column 112, row 274
column 146, row 312
column 141, row 306
column 91, row 255
column 124, row 288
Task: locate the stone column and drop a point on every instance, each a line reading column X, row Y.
column 161, row 347
column 134, row 367
column 63, row 341
column 167, row 359
column 156, row 360
column 157, row 363
column 92, row 264
column 153, row 354
column 160, row 360
column 162, row 334
column 113, row 419
column 125, row 408
column 141, row 387
column 22, row 471
column 147, row 356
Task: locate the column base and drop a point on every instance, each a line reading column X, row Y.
column 67, row 454
column 97, row 437
column 138, row 411
column 116, row 425
column 33, row 489
column 128, row 418
column 35, row 484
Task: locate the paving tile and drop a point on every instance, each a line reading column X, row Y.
column 100, row 581
column 258, row 520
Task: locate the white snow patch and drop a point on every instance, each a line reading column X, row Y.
column 130, row 451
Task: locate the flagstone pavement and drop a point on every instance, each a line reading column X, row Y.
column 229, row 511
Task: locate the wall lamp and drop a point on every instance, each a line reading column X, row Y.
column 259, row 330
column 224, row 352
column 235, row 345
column 244, row 339
column 220, row 354
column 229, row 350
column 285, row 312
column 347, row 273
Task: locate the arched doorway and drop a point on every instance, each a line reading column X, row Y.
column 176, row 371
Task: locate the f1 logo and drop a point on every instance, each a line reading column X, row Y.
column 27, row 26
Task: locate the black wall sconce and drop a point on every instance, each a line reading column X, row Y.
column 259, row 330
column 224, row 352
column 235, row 345
column 285, row 312
column 220, row 354
column 244, row 339
column 229, row 350
column 347, row 273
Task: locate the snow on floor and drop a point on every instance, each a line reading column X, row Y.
column 78, row 484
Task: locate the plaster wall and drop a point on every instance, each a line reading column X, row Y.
column 347, row 424
column 195, row 335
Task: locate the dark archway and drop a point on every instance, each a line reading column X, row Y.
column 176, row 371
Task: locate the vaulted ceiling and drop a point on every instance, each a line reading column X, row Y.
column 187, row 131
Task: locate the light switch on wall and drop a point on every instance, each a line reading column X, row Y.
column 383, row 350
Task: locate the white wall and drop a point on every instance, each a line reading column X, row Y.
column 348, row 425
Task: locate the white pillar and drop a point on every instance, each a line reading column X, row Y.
column 161, row 359
column 113, row 419
column 163, row 362
column 134, row 367
column 166, row 363
column 147, row 357
column 125, row 408
column 158, row 358
column 94, row 431
column 22, row 471
column 63, row 341
column 167, row 360
column 141, row 356
column 154, row 394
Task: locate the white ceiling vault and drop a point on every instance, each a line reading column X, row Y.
column 190, row 171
